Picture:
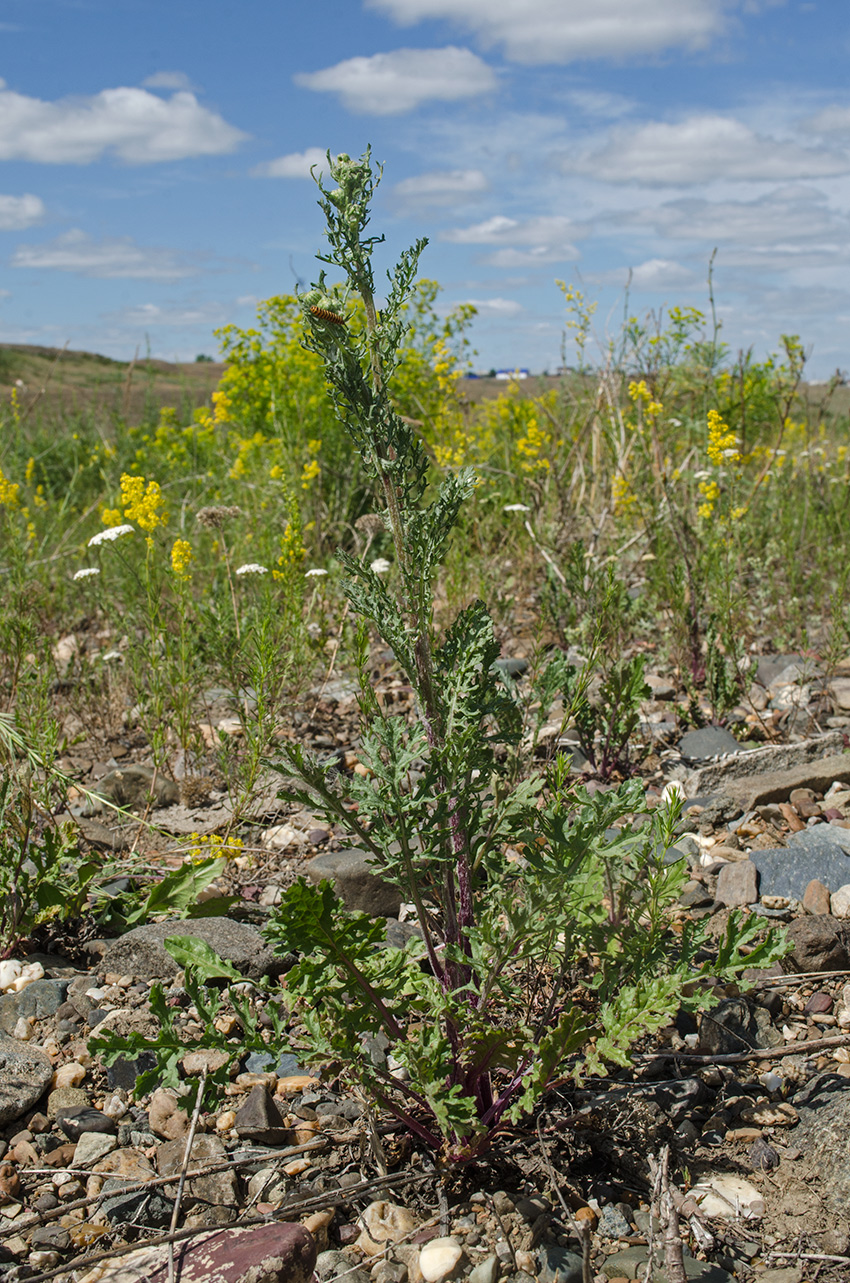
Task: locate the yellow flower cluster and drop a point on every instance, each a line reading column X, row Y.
column 531, row 446
column 182, row 558
column 309, row 473
column 292, row 551
column 142, row 503
column 722, row 444
column 213, row 845
column 8, row 491
column 622, row 495
column 640, row 394
column 710, row 492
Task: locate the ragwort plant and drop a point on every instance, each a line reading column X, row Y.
column 498, row 999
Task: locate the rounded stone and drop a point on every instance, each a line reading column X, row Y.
column 439, row 1259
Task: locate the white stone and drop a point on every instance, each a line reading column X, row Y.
column 32, row 971
column 70, row 1075
column 384, row 1223
column 728, row 1196
column 22, row 1030
column 439, row 1258
column 10, row 969
column 114, row 1107
column 839, row 902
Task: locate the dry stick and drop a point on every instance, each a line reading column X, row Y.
column 179, row 1236
column 580, row 1229
column 669, row 1216
column 175, row 1215
column 741, row 1057
column 131, row 1187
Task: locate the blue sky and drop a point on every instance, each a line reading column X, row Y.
column 154, row 162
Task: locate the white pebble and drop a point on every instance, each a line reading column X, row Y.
column 22, row 1030
column 10, row 969
column 32, row 971
column 439, row 1258
column 70, row 1075
column 114, row 1107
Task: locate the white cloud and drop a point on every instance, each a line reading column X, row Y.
column 442, row 187
column 296, row 164
column 168, row 80
column 152, row 314
column 832, row 120
column 544, row 239
column 390, row 83
column 75, row 251
column 597, row 102
column 136, row 126
column 560, row 31
column 5, row 293
column 653, row 274
column 495, row 306
column 790, row 227
column 18, row 212
column 699, row 150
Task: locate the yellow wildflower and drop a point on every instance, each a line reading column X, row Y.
column 722, row 444
column 8, row 491
column 141, row 503
column 112, row 517
column 309, row 473
column 182, row 558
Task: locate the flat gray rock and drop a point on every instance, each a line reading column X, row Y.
column 823, row 1134
column 356, row 882
column 789, row 870
column 25, row 1074
column 40, row 999
column 707, row 742
column 772, row 772
column 141, row 952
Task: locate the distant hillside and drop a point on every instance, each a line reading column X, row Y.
column 57, row 384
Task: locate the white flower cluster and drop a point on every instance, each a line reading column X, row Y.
column 380, row 566
column 315, row 573
column 87, row 572
column 109, row 535
column 516, row 507
column 252, row 568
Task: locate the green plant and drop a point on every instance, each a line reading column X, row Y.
column 173, row 896
column 42, row 871
column 481, row 1031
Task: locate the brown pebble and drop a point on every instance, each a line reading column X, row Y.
column 816, row 898
column 818, row 1003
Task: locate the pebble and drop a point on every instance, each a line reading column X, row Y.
column 91, row 1147
column 730, row 1197
column 382, row 1223
column 225, row 1120
column 839, row 902
column 486, row 1271
column 439, row 1259
column 69, row 1075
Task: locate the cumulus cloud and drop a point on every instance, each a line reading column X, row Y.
column 134, row 125
column 653, row 274
column 832, row 120
column 147, row 315
column 699, row 150
column 75, row 251
column 442, row 187
column 525, row 242
column 791, row 226
column 495, row 306
column 168, row 80
column 18, row 212
column 560, row 31
column 387, row 84
column 296, row 164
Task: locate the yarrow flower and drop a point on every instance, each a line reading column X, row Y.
column 110, row 535
column 516, row 507
column 252, row 568
column 182, row 558
column 380, row 566
column 213, row 518
column 314, row 574
column 87, row 572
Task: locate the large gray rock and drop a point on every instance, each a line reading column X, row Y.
column 736, row 1025
column 819, row 853
column 40, row 999
column 219, row 1188
column 275, row 1253
column 25, row 1074
column 132, row 788
column 356, row 882
column 821, row 943
column 141, row 952
column 823, row 1135
column 707, row 742
column 763, row 775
